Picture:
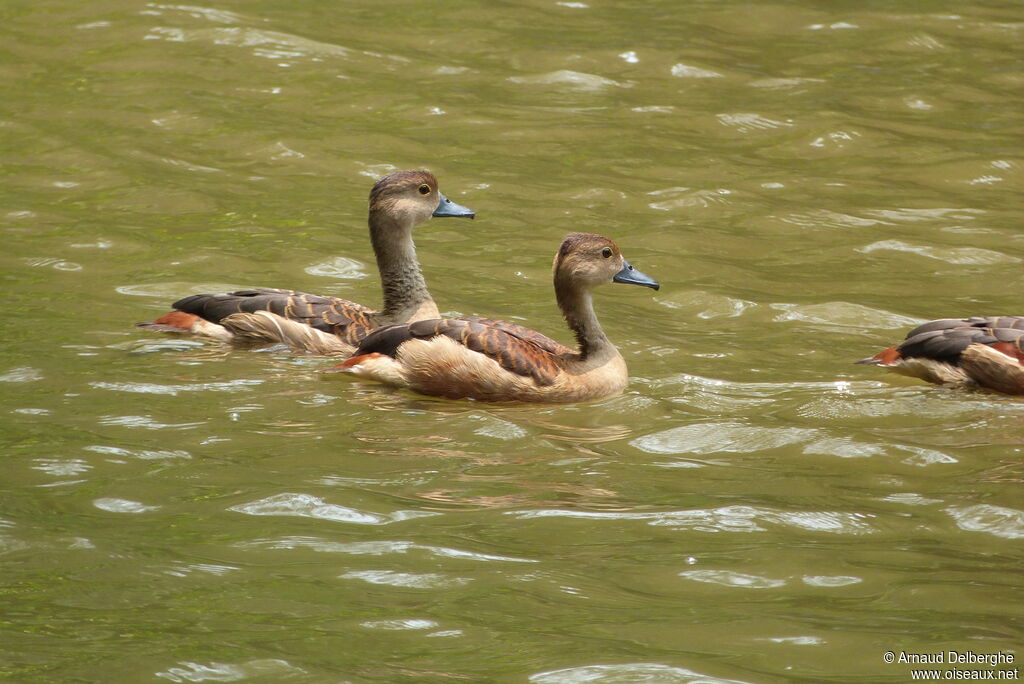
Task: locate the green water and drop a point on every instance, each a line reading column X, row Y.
column 805, row 180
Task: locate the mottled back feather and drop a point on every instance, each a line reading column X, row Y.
column 1007, row 322
column 515, row 348
column 527, row 335
column 334, row 315
column 941, row 341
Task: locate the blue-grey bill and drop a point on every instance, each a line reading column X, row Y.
column 631, row 276
column 448, row 208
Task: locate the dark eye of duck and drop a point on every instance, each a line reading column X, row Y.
column 606, row 252
column 424, row 189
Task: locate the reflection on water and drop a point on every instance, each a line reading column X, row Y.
column 727, row 519
column 307, row 506
column 806, row 182
column 627, row 672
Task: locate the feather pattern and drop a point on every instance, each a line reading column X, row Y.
column 948, row 344
column 984, row 351
column 515, row 348
column 333, row 315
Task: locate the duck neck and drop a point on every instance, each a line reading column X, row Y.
column 405, row 291
column 578, row 309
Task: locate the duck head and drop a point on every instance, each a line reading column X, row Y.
column 411, row 198
column 586, row 260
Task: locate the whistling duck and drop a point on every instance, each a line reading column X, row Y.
column 491, row 360
column 399, row 202
column 962, row 352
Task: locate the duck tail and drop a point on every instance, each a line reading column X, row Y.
column 181, row 322
column 889, row 356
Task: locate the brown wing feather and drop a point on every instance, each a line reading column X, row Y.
column 948, row 343
column 528, row 335
column 994, row 368
column 945, row 339
column 348, row 320
column 1005, row 322
column 517, row 349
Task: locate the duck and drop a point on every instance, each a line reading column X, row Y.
column 399, row 202
column 979, row 352
column 496, row 361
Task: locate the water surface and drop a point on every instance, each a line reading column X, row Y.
column 805, row 181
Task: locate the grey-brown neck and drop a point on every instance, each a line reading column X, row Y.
column 405, row 290
column 577, row 307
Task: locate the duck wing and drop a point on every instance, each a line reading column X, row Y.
column 527, row 335
column 945, row 339
column 995, row 322
column 515, row 348
column 947, row 344
column 331, row 315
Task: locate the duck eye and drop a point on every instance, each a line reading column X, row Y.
column 424, row 189
column 606, row 252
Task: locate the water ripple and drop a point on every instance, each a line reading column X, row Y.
column 712, row 438
column 842, row 315
column 728, row 578
column 22, row 374
column 996, row 520
column 269, row 44
column 707, row 305
column 844, row 447
column 263, row 669
column 839, row 25
column 784, row 83
column 908, row 215
column 498, row 428
column 173, row 290
column 570, row 79
column 174, row 390
column 910, row 499
column 920, row 456
column 687, row 71
column 797, row 640
column 745, row 122
column 831, row 580
column 146, row 422
column 206, row 568
column 408, row 623
column 628, row 673
column 380, row 548
column 308, row 506
column 685, row 197
column 61, row 467
column 410, row 580
column 53, row 262
column 835, row 139
column 214, row 15
column 144, row 454
column 725, row 519
column 338, row 267
column 954, row 255
column 819, row 218
column 122, row 506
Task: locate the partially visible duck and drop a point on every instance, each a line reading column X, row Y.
column 491, row 360
column 399, row 202
column 962, row 352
